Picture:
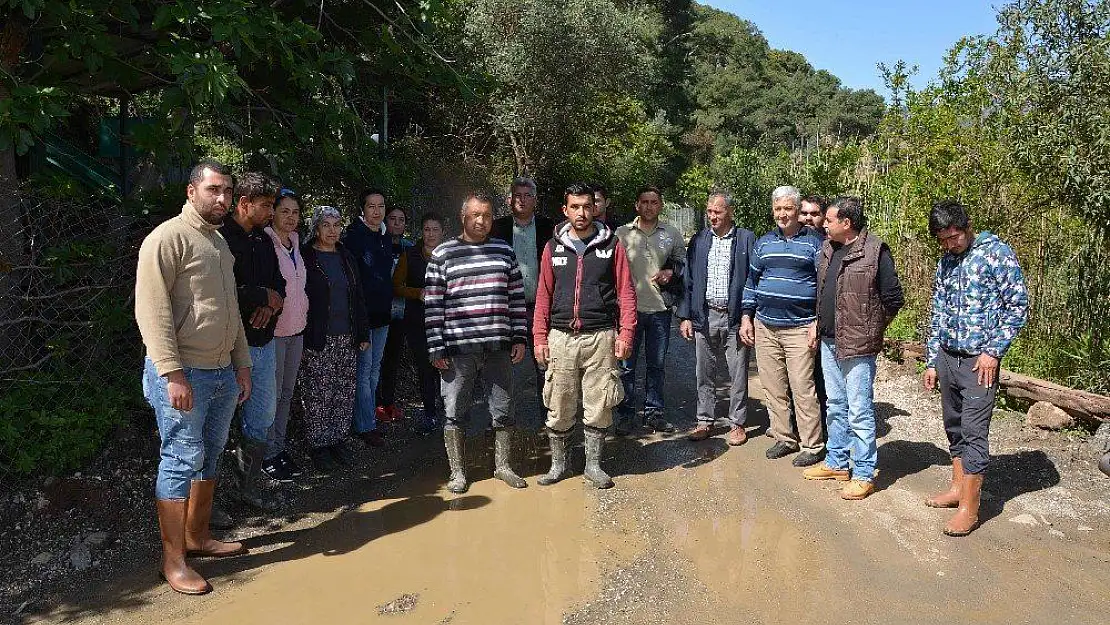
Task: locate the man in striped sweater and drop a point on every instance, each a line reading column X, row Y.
column 475, row 321
column 781, row 295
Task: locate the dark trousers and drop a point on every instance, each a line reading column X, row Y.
column 391, row 362
column 428, row 375
column 653, row 334
column 967, row 409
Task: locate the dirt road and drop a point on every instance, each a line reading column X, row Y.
column 692, row 533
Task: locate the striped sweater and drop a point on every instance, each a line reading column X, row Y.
column 782, row 279
column 473, row 299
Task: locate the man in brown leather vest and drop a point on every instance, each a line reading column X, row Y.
column 858, row 294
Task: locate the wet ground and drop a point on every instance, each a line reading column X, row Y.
column 692, row 533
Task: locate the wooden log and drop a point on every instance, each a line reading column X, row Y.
column 1080, row 404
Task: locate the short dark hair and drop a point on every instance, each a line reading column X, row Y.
column 197, row 173
column 850, row 207
column 431, row 216
column 820, row 200
column 398, row 209
column 367, row 192
column 253, row 185
column 948, row 214
column 602, row 189
column 649, row 189
column 578, row 188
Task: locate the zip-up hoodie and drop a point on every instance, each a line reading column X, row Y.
column 585, row 292
column 185, row 297
column 980, row 302
column 294, row 311
column 373, row 249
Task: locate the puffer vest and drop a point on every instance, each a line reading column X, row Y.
column 861, row 318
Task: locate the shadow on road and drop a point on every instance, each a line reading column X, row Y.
column 898, row 459
column 1011, row 475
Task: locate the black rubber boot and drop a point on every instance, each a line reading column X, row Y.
column 595, row 441
column 502, row 458
column 250, row 456
column 559, row 453
column 453, row 441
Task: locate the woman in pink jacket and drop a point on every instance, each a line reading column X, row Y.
column 287, row 336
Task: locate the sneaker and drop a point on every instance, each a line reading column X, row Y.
column 737, row 436
column 343, row 456
column 290, row 465
column 373, row 438
column 276, row 470
column 396, row 412
column 657, row 423
column 322, row 460
column 387, row 414
column 823, row 472
column 700, row 433
column 807, row 458
column 856, row 489
column 781, row 449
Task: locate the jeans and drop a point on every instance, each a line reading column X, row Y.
column 850, row 384
column 718, row 347
column 368, row 371
column 653, row 332
column 260, row 408
column 191, row 441
column 967, row 409
column 288, row 352
column 496, row 369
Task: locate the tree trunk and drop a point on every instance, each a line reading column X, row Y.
column 13, row 37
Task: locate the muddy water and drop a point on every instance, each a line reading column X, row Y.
column 493, row 555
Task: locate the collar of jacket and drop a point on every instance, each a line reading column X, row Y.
column 192, row 217
column 294, row 238
column 381, row 227
column 603, row 234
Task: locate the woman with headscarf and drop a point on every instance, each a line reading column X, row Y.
column 335, row 333
column 288, row 337
column 408, row 282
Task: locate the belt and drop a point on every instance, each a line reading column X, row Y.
column 718, row 307
column 959, row 353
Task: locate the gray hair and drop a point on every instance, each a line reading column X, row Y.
column 523, row 181
column 787, row 191
column 724, row 195
column 481, row 198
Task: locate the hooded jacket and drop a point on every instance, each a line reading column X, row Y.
column 294, row 311
column 980, row 301
column 585, row 292
column 373, row 250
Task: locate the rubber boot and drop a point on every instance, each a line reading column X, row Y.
column 453, row 440
column 595, row 441
column 951, row 497
column 966, row 518
column 198, row 538
column 502, row 458
column 177, row 573
column 559, row 453
column 1104, row 464
column 250, row 456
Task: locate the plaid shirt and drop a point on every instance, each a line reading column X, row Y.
column 720, row 262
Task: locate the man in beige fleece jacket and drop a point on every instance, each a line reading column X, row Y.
column 197, row 366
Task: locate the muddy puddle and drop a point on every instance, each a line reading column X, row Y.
column 493, row 555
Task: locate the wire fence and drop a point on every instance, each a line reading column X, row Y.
column 71, row 354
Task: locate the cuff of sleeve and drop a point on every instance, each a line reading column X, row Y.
column 241, row 360
column 436, row 354
column 167, row 366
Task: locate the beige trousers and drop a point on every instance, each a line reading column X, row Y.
column 785, row 364
column 581, row 367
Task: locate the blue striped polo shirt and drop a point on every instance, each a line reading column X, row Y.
column 782, row 278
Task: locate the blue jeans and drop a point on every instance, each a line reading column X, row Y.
column 258, row 411
column 653, row 332
column 369, row 371
column 191, row 441
column 850, row 385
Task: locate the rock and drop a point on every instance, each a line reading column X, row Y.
column 1085, row 528
column 96, row 539
column 1056, row 533
column 1046, row 416
column 42, row 558
column 1025, row 519
column 50, row 481
column 80, row 557
column 1100, row 440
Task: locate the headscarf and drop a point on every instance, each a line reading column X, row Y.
column 321, row 213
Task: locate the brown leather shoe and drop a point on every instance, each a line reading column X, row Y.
column 737, row 436
column 700, row 433
column 951, row 497
column 176, row 572
column 198, row 538
column 823, row 472
column 966, row 518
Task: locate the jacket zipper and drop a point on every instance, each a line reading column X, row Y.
column 576, row 323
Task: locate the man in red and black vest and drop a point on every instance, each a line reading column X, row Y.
column 585, row 321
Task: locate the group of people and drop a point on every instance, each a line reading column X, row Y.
column 235, row 309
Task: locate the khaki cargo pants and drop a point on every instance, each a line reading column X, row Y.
column 581, row 367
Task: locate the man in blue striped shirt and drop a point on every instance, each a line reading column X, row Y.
column 781, row 295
